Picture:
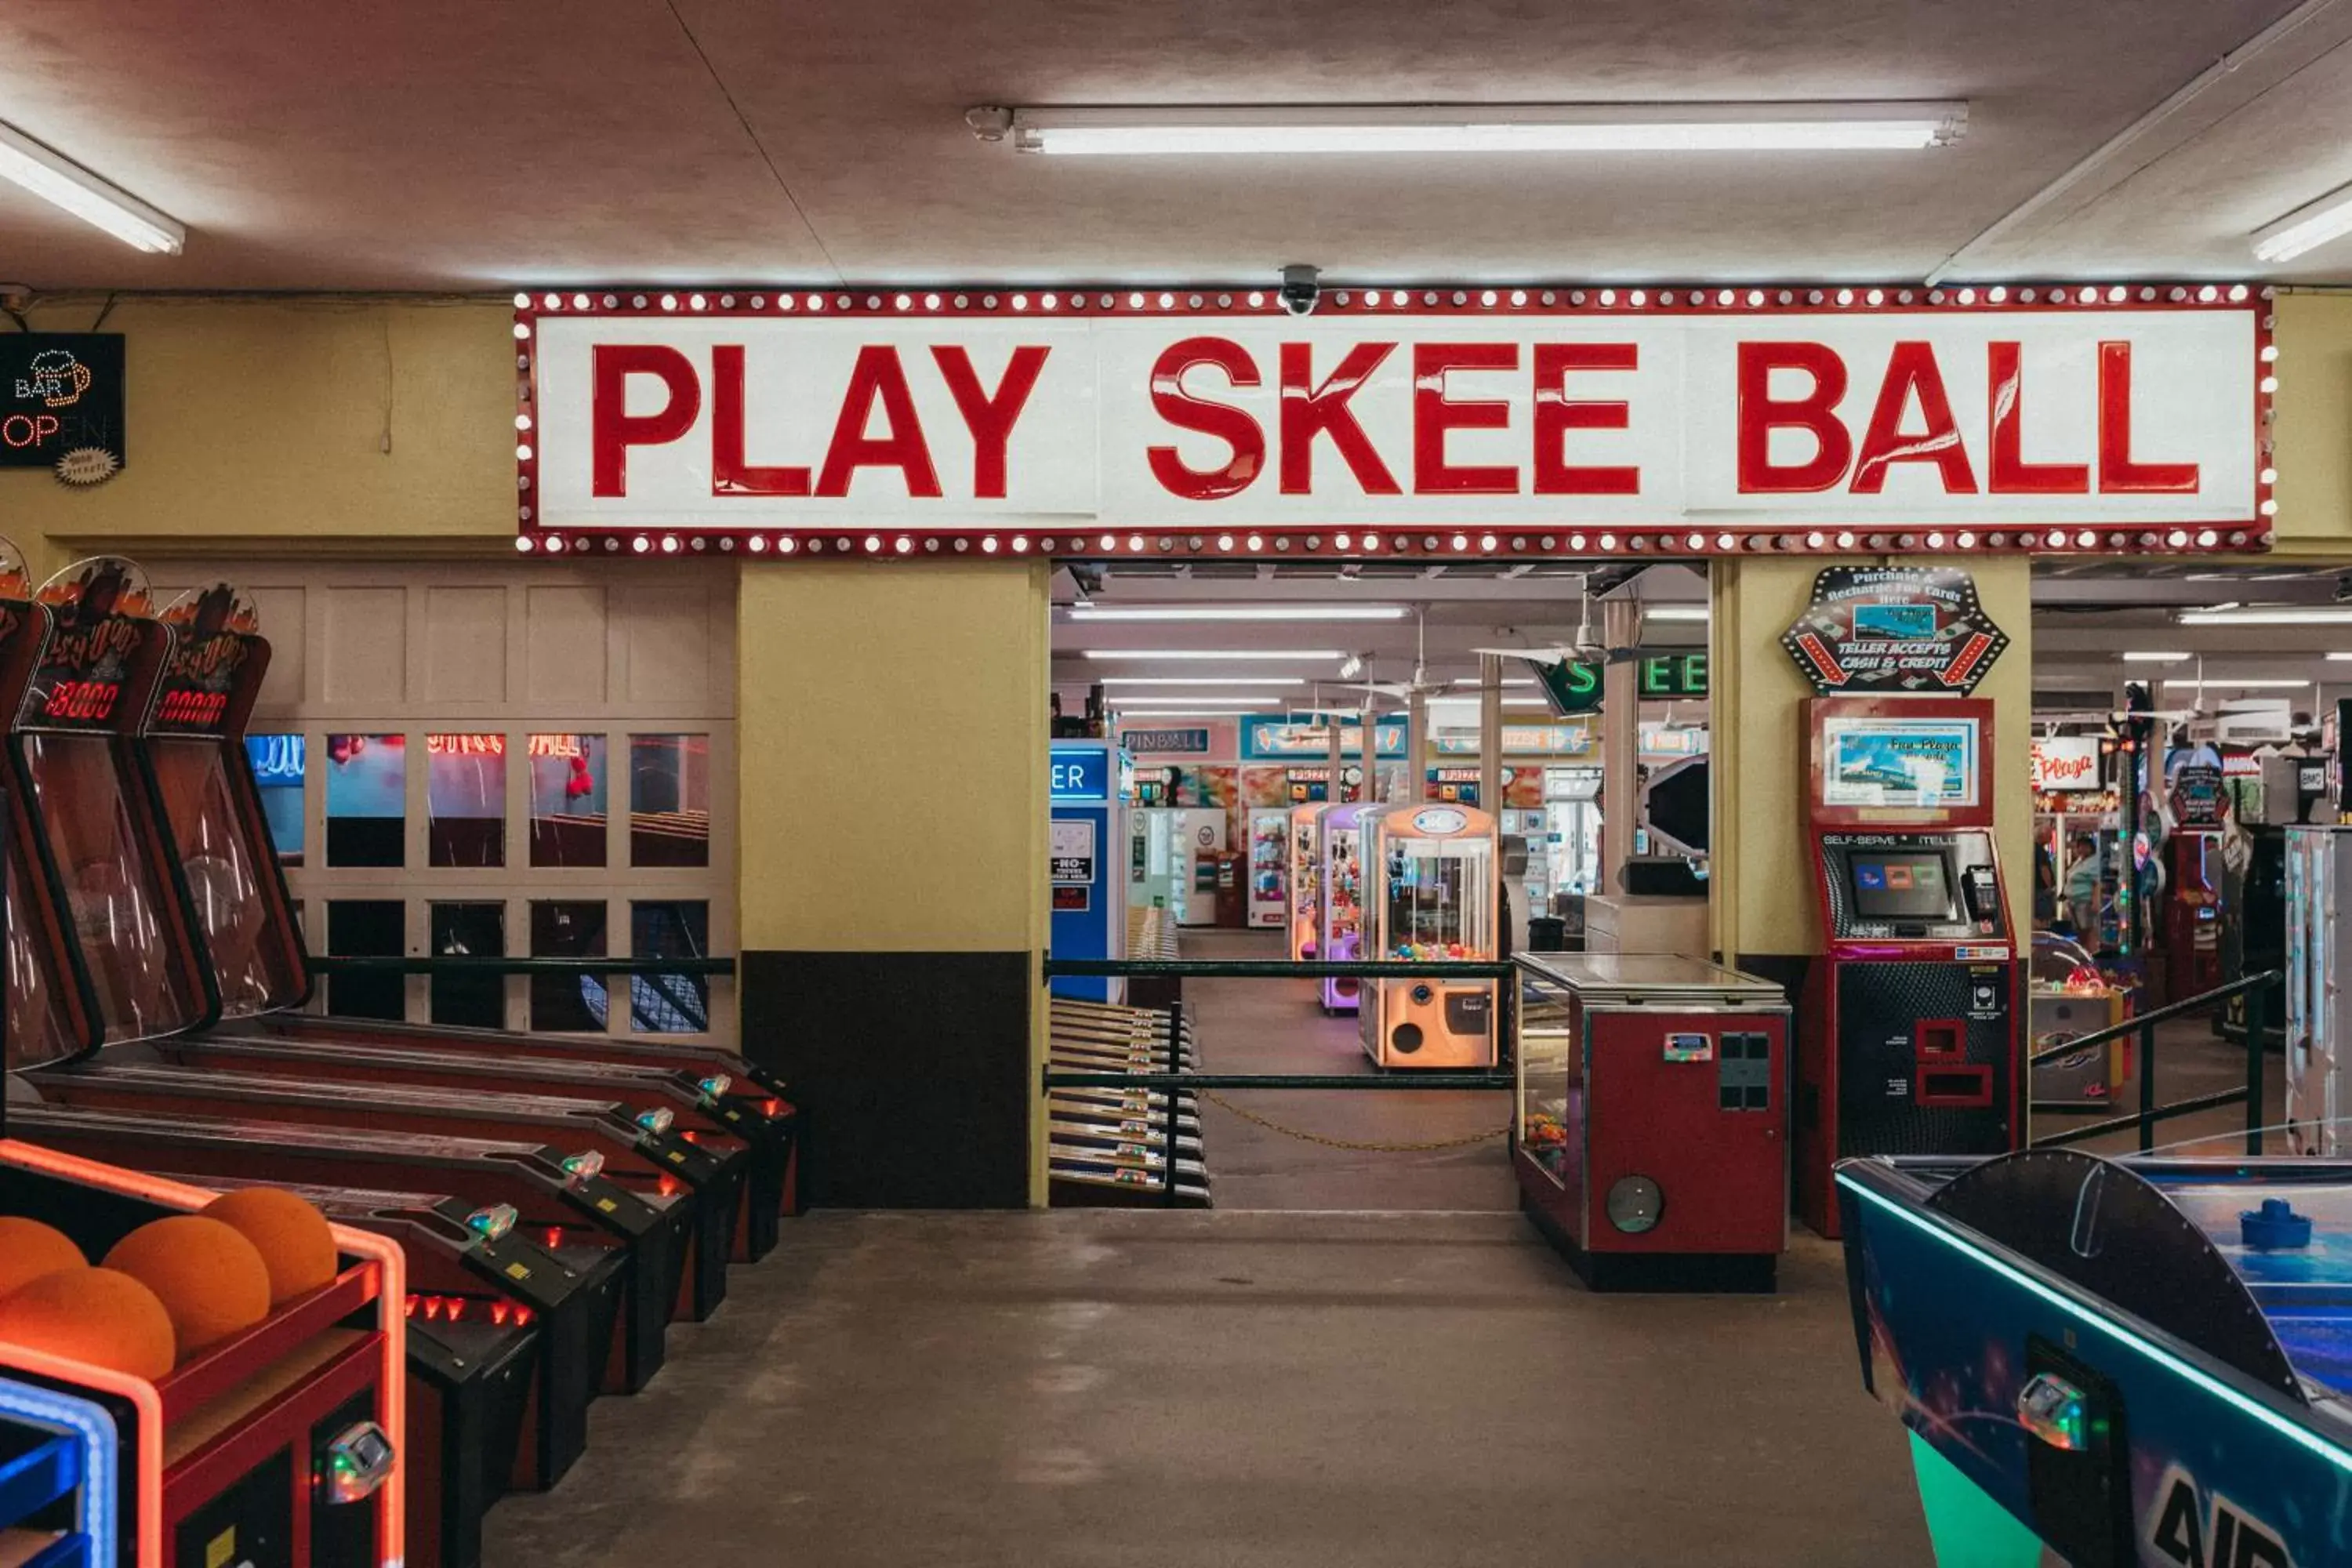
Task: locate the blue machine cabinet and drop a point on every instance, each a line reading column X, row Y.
column 1086, row 856
column 59, row 1454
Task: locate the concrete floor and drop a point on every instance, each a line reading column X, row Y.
column 1231, row 1390
column 1276, row 1025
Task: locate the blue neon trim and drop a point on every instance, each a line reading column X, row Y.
column 2302, row 1435
column 96, row 1428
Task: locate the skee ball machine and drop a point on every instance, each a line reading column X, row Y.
column 1430, row 896
column 276, row 1445
column 1909, row 1035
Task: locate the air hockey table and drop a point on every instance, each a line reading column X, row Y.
column 2142, row 1361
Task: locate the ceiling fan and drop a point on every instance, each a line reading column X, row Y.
column 1420, row 685
column 1585, row 647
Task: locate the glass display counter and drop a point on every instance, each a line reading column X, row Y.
column 1649, row 1141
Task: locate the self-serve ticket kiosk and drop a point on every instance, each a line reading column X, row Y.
column 1086, row 845
column 1907, row 1042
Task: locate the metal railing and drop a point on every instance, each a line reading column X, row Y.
column 1174, row 1081
column 476, row 963
column 2150, row 1113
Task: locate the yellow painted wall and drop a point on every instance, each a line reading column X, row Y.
column 2313, row 433
column 891, row 730
column 1762, row 896
column 268, row 422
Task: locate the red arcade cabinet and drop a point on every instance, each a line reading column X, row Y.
column 1907, row 1041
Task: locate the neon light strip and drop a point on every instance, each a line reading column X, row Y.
column 2303, row 1436
column 90, row 1422
column 391, row 1393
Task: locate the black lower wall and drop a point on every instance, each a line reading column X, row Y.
column 911, row 1071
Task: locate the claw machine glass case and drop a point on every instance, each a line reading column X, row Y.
column 1306, row 880
column 1649, row 1144
column 1270, row 869
column 2068, row 995
column 1430, row 896
column 1339, row 922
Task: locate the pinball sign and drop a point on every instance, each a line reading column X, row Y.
column 1917, row 629
column 1456, row 421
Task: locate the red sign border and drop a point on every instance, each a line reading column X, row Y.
column 1467, row 538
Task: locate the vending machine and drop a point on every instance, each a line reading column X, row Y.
column 1907, row 1041
column 2318, row 1004
column 1428, row 895
column 1086, row 840
column 1269, row 867
column 1338, row 927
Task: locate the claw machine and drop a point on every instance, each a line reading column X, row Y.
column 1429, row 894
column 1269, row 867
column 1338, row 927
column 1306, row 880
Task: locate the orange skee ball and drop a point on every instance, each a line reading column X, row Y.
column 93, row 1315
column 30, row 1250
column 209, row 1278
column 288, row 1232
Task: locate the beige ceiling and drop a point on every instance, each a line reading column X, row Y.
column 430, row 144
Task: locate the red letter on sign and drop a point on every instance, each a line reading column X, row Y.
column 730, row 473
column 1760, row 414
column 1557, row 414
column 1433, row 414
column 1235, row 428
column 613, row 429
column 990, row 419
column 1910, row 369
column 1309, row 410
column 2118, row 471
column 878, row 375
column 2009, row 474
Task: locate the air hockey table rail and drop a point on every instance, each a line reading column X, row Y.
column 2138, row 1360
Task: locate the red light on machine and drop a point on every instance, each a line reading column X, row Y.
column 523, row 1317
column 408, row 1307
column 669, row 1186
column 772, row 1108
column 554, row 1236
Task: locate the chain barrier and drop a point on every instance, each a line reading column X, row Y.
column 1358, row 1145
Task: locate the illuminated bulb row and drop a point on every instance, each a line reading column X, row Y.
column 1695, row 542
column 1399, row 300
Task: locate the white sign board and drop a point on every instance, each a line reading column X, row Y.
column 2066, row 763
column 1070, row 852
column 1699, row 417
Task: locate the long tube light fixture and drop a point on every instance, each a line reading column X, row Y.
column 1258, row 655
column 2256, row 683
column 2269, row 616
column 1477, row 128
column 1674, row 612
column 2306, row 228
column 1238, row 613
column 63, row 183
column 1224, row 680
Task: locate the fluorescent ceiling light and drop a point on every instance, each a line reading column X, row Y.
column 1287, row 130
column 2270, row 616
column 1238, row 613
column 1257, row 654
column 2157, row 657
column 2259, row 683
column 1201, row 680
column 1205, row 710
column 2339, row 658
column 2305, row 228
column 1674, row 612
column 63, row 183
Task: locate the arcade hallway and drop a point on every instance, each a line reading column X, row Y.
column 1226, row 1389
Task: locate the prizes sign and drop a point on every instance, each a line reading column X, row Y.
column 952, row 414
column 1915, row 630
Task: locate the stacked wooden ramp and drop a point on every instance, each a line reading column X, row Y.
column 1112, row 1146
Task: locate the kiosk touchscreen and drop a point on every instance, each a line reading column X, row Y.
column 1907, row 1042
